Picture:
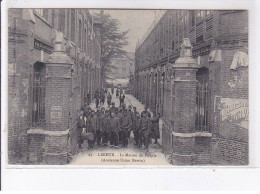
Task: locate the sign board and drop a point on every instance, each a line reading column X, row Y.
column 234, row 109
column 56, row 114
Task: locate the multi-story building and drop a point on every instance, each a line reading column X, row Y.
column 219, row 99
column 45, row 87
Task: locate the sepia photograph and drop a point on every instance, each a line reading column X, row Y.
column 133, row 95
column 149, row 87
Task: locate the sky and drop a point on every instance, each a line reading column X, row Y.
column 137, row 21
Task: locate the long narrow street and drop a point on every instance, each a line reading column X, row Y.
column 107, row 156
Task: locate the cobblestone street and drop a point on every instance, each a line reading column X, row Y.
column 95, row 156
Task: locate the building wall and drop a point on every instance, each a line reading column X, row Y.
column 31, row 39
column 216, row 37
column 122, row 67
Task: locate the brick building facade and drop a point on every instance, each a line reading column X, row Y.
column 192, row 68
column 54, row 69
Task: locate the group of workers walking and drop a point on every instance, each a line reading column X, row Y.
column 114, row 126
column 100, row 96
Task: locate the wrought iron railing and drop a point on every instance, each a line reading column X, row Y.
column 202, row 102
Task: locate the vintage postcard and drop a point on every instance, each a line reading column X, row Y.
column 128, row 87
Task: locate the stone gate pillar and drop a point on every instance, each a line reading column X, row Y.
column 184, row 107
column 58, row 92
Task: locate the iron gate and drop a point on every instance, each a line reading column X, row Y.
column 202, row 100
column 38, row 92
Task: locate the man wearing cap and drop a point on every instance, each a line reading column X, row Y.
column 155, row 133
column 114, row 130
column 109, row 99
column 81, row 125
column 112, row 109
column 116, row 112
column 145, row 130
column 92, row 128
column 112, row 90
column 125, row 126
column 105, row 128
column 119, row 116
column 146, row 111
column 85, row 109
column 136, row 128
column 100, row 118
column 102, row 97
column 97, row 97
column 121, row 99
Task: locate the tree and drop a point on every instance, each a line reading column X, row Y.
column 112, row 41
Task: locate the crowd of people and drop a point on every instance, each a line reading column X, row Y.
column 114, row 126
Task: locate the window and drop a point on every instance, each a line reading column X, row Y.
column 201, row 15
column 80, row 34
column 85, row 40
column 39, row 11
column 53, row 17
column 45, row 13
column 38, row 95
column 61, row 20
column 192, row 18
column 185, row 18
column 68, row 23
column 173, row 29
column 72, row 24
column 208, row 12
column 177, row 29
column 173, row 45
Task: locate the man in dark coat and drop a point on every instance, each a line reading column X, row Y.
column 131, row 115
column 112, row 90
column 136, row 128
column 116, row 112
column 100, row 118
column 86, row 109
column 81, row 125
column 119, row 115
column 105, row 128
column 145, row 130
column 134, row 110
column 146, row 111
column 117, row 92
column 155, row 133
column 97, row 97
column 88, row 113
column 88, row 98
column 121, row 99
column 109, row 99
column 102, row 97
column 92, row 128
column 112, row 109
column 114, row 130
column 125, row 126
